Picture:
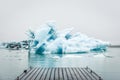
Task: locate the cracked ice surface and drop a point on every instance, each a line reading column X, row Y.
column 49, row 40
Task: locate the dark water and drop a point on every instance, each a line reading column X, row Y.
column 107, row 64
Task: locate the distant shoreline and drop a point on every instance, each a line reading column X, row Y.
column 114, row 46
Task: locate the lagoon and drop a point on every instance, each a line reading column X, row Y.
column 106, row 64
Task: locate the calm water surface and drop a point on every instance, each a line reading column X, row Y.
column 13, row 62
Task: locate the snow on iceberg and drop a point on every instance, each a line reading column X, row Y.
column 48, row 40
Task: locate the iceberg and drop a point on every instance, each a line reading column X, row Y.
column 48, row 39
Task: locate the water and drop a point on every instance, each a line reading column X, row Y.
column 13, row 62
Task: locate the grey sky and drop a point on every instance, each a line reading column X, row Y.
column 96, row 18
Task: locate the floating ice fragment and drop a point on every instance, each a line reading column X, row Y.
column 48, row 40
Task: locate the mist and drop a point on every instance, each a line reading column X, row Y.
column 95, row 18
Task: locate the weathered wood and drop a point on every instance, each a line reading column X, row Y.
column 61, row 74
column 23, row 74
column 68, row 74
column 81, row 74
column 56, row 74
column 87, row 77
column 72, row 74
column 28, row 74
column 44, row 74
column 77, row 74
column 40, row 74
column 48, row 74
column 52, row 74
column 96, row 76
column 65, row 73
column 36, row 74
column 32, row 74
column 88, row 73
column 65, row 77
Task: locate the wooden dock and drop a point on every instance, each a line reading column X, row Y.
column 58, row 73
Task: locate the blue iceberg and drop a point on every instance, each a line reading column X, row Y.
column 48, row 39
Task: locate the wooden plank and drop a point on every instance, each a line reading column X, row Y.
column 96, row 76
column 36, row 74
column 40, row 74
column 72, row 74
column 59, row 74
column 23, row 74
column 56, row 74
column 27, row 75
column 88, row 73
column 65, row 77
column 81, row 74
column 32, row 74
column 44, row 74
column 77, row 74
column 52, row 74
column 48, row 74
column 68, row 74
